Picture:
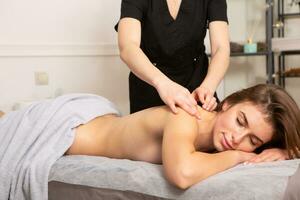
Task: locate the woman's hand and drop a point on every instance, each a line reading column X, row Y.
column 174, row 94
column 244, row 156
column 269, row 155
column 206, row 97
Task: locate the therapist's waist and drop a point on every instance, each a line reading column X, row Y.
column 178, row 61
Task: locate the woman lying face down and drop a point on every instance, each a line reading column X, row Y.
column 263, row 116
column 262, row 119
column 257, row 118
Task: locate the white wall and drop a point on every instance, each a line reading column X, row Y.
column 66, row 75
column 58, row 22
column 75, row 43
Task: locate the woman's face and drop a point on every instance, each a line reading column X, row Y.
column 241, row 127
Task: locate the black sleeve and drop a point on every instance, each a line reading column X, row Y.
column 217, row 11
column 133, row 8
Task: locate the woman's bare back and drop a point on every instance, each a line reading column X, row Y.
column 137, row 136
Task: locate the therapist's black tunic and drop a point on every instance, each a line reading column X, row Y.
column 176, row 47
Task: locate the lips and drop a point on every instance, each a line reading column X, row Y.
column 225, row 143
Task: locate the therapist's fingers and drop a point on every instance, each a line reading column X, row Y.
column 188, row 106
column 193, row 105
column 191, row 100
column 212, row 104
column 172, row 106
column 184, row 104
column 186, row 97
column 206, row 101
column 174, row 95
column 201, row 97
column 204, row 96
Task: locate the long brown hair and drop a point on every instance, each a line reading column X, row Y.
column 281, row 111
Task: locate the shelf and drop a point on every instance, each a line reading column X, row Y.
column 292, row 76
column 263, row 53
column 290, row 15
column 284, row 46
column 284, row 76
column 290, row 52
column 290, row 73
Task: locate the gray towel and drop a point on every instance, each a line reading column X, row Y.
column 32, row 139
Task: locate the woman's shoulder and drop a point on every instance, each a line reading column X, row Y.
column 162, row 116
column 182, row 122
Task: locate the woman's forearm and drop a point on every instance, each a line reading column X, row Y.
column 217, row 68
column 199, row 166
column 141, row 66
column 220, row 52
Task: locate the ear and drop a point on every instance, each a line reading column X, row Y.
column 225, row 106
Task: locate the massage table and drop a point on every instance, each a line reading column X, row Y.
column 91, row 178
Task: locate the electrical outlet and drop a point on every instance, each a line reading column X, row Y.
column 41, row 78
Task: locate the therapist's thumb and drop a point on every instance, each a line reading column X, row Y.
column 173, row 108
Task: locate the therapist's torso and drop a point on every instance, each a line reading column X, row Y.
column 175, row 46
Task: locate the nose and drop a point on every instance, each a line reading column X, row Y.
column 238, row 136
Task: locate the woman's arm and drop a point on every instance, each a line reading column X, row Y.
column 183, row 165
column 270, row 155
column 129, row 36
column 220, row 52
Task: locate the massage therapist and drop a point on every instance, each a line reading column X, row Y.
column 162, row 42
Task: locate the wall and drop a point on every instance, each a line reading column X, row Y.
column 66, row 75
column 58, row 22
column 74, row 42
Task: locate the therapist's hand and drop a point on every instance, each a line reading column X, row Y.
column 174, row 95
column 206, row 97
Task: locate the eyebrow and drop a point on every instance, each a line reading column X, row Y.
column 247, row 124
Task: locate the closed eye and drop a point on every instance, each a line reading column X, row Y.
column 252, row 141
column 255, row 141
column 239, row 122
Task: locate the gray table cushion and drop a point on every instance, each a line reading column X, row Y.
column 260, row 181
